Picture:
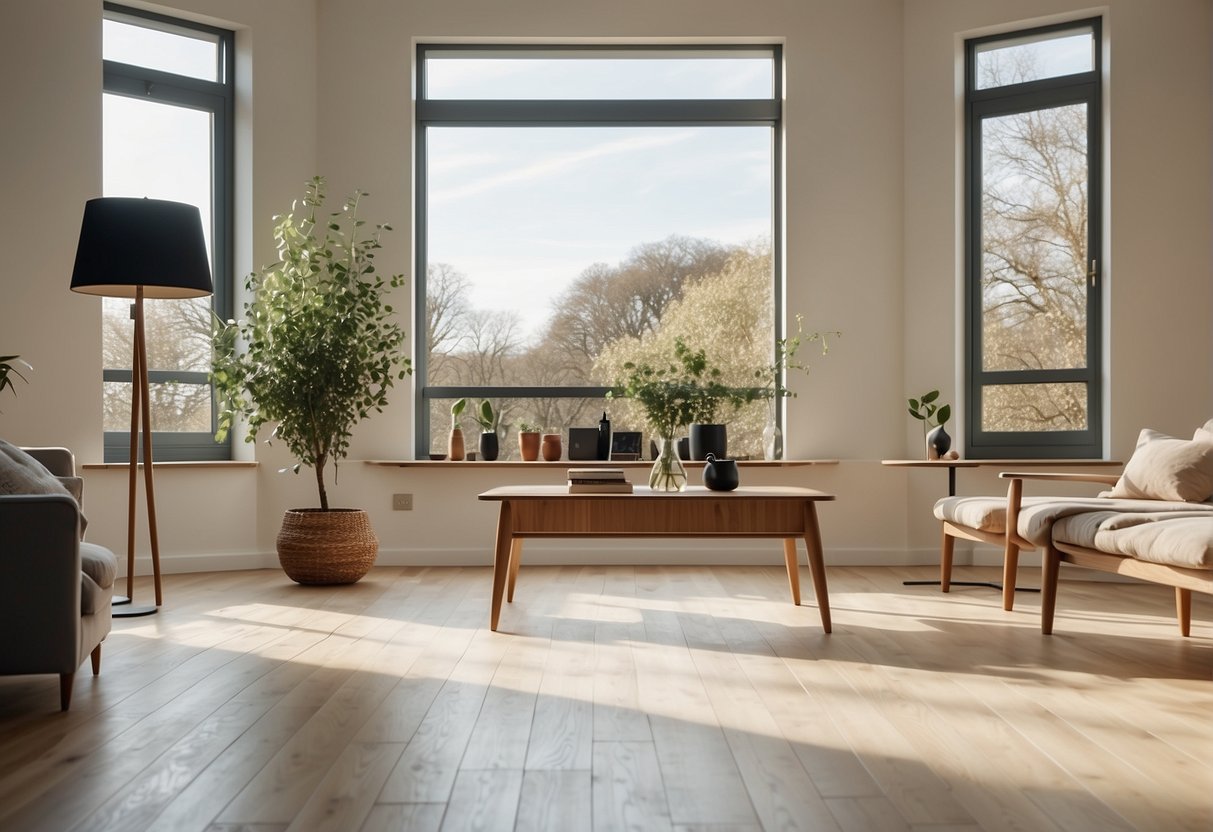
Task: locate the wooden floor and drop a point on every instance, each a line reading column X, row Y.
column 644, row 698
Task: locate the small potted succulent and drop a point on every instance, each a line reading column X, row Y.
column 528, row 441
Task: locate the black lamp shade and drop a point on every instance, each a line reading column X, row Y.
column 127, row 242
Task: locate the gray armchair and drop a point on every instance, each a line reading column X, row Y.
column 59, row 587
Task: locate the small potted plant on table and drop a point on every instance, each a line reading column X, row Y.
column 932, row 416
column 669, row 397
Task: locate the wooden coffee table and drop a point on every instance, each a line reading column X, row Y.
column 785, row 512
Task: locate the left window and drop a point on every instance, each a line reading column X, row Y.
column 168, row 133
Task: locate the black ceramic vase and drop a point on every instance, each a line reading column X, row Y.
column 938, row 443
column 720, row 474
column 489, row 447
column 709, row 439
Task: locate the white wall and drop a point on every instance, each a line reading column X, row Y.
column 872, row 240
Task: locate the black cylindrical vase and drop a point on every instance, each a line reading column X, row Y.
column 489, row 447
column 709, row 439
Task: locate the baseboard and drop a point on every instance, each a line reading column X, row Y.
column 561, row 553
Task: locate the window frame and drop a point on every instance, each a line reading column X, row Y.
column 575, row 113
column 1078, row 88
column 217, row 98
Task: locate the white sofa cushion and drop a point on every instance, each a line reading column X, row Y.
column 1165, row 468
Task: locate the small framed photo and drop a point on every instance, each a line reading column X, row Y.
column 625, row 445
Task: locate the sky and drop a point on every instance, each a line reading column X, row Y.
column 522, row 211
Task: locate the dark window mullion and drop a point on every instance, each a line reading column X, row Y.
column 617, row 112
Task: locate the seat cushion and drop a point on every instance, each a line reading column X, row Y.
column 1038, row 514
column 988, row 514
column 99, row 570
column 1183, row 539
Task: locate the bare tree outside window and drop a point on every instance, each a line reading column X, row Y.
column 1034, row 256
column 1033, row 109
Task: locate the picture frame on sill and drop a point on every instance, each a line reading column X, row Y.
column 625, row 445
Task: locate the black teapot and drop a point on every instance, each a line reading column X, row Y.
column 720, row 474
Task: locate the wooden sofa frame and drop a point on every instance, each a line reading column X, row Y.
column 1010, row 541
column 1185, row 581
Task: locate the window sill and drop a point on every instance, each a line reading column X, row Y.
column 1000, row 463
column 156, row 466
column 581, row 463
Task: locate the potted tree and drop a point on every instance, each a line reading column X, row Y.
column 321, row 352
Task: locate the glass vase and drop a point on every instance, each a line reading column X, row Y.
column 772, row 436
column 667, row 473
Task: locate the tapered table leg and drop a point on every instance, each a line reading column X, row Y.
column 789, row 559
column 501, row 561
column 515, row 562
column 812, row 541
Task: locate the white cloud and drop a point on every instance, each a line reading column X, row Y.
column 560, row 164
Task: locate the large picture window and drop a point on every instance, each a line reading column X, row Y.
column 168, row 134
column 1033, row 241
column 581, row 207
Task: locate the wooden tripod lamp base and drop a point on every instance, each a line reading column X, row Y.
column 137, row 248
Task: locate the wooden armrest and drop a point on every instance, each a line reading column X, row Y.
column 1104, row 479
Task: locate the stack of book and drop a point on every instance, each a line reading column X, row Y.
column 598, row 481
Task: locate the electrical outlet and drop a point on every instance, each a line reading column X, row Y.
column 402, row 502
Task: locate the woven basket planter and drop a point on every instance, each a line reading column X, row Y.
column 337, row 546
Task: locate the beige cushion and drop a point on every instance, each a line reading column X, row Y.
column 1179, row 538
column 1204, row 433
column 20, row 473
column 1165, row 468
column 99, row 570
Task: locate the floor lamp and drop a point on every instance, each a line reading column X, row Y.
column 141, row 248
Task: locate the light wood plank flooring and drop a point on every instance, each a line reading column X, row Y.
column 622, row 698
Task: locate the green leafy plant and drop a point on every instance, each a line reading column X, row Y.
column 322, row 348
column 527, row 427
column 8, row 368
column 925, row 410
column 772, row 378
column 457, row 409
column 484, row 415
column 686, row 390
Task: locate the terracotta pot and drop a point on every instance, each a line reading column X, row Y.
column 337, row 546
column 551, row 448
column 528, row 445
